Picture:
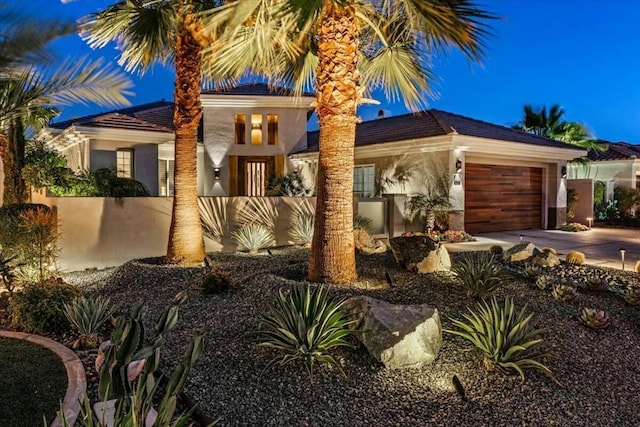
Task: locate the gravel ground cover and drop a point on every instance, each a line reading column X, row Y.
column 600, row 370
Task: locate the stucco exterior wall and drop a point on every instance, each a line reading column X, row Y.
column 622, row 172
column 584, row 207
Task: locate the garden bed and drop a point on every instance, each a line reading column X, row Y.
column 600, row 369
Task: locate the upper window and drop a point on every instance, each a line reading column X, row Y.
column 240, row 120
column 272, row 129
column 363, row 181
column 256, row 129
column 124, row 163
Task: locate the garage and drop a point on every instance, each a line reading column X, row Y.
column 502, row 198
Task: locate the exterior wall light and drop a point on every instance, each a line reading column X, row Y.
column 458, row 165
column 216, row 174
column 622, row 252
column 563, row 171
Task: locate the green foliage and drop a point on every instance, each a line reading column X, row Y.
column 87, row 315
column 301, row 229
column 215, row 282
column 39, row 307
column 478, row 273
column 506, row 337
column 253, row 237
column 425, row 205
column 496, row 250
column 363, row 222
column 572, row 202
column 7, row 271
column 628, row 199
column 41, row 225
column 305, row 326
column 608, row 212
column 45, row 167
column 289, row 185
column 12, row 240
column 574, row 227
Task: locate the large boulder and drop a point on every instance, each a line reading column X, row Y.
column 521, row 252
column 399, row 336
column 416, row 253
column 366, row 244
column 437, row 260
column 546, row 259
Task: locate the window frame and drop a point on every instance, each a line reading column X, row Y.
column 365, row 193
column 130, row 152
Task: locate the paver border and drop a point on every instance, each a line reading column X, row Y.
column 76, row 377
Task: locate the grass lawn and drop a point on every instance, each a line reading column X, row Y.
column 33, row 381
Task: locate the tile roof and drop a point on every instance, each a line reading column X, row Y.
column 616, row 151
column 256, row 89
column 431, row 123
column 156, row 116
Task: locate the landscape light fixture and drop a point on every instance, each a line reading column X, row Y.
column 589, row 221
column 564, row 171
column 622, row 251
column 216, row 174
column 521, row 238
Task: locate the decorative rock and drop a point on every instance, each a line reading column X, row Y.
column 437, row 260
column 546, row 259
column 521, row 252
column 399, row 336
column 409, row 251
column 367, row 244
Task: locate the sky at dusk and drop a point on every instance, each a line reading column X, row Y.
column 581, row 54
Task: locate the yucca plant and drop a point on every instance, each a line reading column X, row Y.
column 87, row 315
column 362, row 222
column 478, row 273
column 506, row 337
column 253, row 237
column 593, row 318
column 301, row 229
column 304, row 326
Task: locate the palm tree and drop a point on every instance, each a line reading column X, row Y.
column 168, row 32
column 28, row 88
column 552, row 125
column 345, row 47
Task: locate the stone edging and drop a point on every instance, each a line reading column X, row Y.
column 76, row 378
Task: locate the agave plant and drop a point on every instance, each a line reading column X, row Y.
column 593, row 318
column 305, row 326
column 253, row 237
column 478, row 273
column 507, row 337
column 632, row 295
column 87, row 315
column 531, row 271
column 544, row 282
column 564, row 293
column 301, row 229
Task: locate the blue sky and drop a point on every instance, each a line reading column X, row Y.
column 581, row 54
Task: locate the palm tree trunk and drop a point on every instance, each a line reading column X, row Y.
column 332, row 256
column 12, row 149
column 186, row 242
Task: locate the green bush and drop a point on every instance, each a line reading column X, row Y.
column 507, row 338
column 215, row 282
column 305, row 326
column 628, row 199
column 289, row 185
column 478, row 273
column 39, row 307
column 572, row 202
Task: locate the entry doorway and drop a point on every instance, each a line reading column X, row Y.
column 255, row 178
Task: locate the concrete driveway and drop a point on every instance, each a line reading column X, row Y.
column 601, row 246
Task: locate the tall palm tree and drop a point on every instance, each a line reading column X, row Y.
column 552, row 125
column 169, row 32
column 345, row 48
column 29, row 87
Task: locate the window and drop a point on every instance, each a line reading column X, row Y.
column 363, row 181
column 272, row 129
column 124, row 163
column 256, row 129
column 240, row 120
column 165, row 177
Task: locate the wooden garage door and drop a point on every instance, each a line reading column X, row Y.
column 501, row 198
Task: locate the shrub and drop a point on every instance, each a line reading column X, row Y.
column 575, row 257
column 215, row 282
column 478, row 273
column 87, row 315
column 574, row 227
column 7, row 272
column 253, row 237
column 301, row 229
column 13, row 239
column 38, row 307
column 305, row 326
column 572, row 202
column 291, row 185
column 608, row 212
column 506, row 337
column 42, row 227
column 628, row 199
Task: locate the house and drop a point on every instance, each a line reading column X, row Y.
column 497, row 178
column 617, row 166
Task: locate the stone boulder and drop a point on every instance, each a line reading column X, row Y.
column 410, row 251
column 437, row 260
column 546, row 259
column 399, row 336
column 521, row 252
column 366, row 244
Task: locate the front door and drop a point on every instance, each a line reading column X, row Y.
column 255, row 179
